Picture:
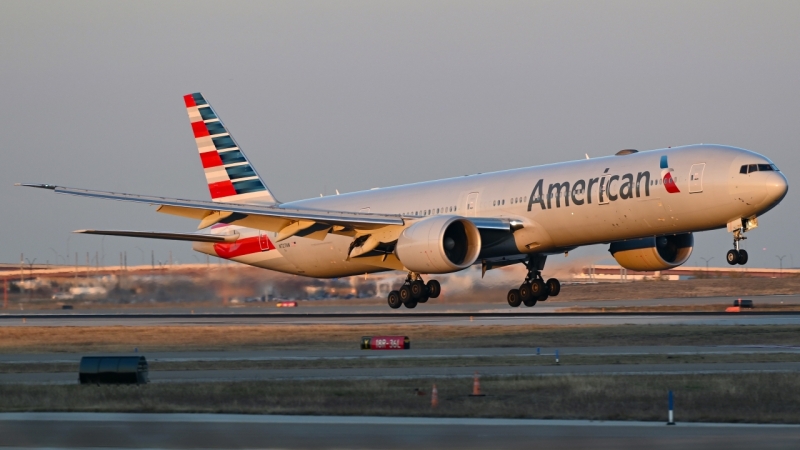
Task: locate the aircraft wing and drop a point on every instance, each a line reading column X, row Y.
column 286, row 222
column 193, row 237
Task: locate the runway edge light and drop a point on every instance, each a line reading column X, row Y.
column 671, row 404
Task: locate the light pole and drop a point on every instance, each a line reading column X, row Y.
column 780, row 258
column 142, row 252
column 706, row 260
column 57, row 255
column 30, row 275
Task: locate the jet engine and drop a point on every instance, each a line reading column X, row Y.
column 439, row 244
column 653, row 253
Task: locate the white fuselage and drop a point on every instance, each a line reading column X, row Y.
column 560, row 206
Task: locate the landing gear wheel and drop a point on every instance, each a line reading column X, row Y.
column 538, row 288
column 733, row 257
column 405, row 294
column 530, row 302
column 394, row 300
column 423, row 299
column 434, row 289
column 526, row 294
column 742, row 257
column 417, row 289
column 514, row 298
column 543, row 297
column 553, row 287
column 411, row 304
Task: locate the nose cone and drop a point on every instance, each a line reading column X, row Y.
column 777, row 186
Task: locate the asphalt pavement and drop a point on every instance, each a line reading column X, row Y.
column 213, row 431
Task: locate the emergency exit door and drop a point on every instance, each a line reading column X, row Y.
column 263, row 240
column 696, row 178
column 472, row 204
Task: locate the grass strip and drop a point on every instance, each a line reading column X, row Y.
column 759, row 398
column 372, row 363
column 37, row 339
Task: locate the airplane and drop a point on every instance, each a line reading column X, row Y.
column 645, row 205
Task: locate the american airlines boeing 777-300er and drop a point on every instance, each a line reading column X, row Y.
column 645, row 205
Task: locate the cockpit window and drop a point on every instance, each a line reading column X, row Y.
column 750, row 168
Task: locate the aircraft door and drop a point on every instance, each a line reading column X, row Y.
column 472, row 204
column 696, row 178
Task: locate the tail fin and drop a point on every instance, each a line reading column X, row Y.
column 231, row 178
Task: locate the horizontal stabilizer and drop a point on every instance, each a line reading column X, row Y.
column 193, row 237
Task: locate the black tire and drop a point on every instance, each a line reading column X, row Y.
column 417, row 289
column 411, row 304
column 525, row 293
column 513, row 298
column 553, row 287
column 394, row 300
column 742, row 257
column 405, row 294
column 423, row 299
column 538, row 288
column 434, row 288
column 733, row 257
column 529, row 302
column 543, row 297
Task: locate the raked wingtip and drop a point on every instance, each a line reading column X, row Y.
column 36, row 185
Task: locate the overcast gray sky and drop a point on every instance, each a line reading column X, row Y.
column 353, row 95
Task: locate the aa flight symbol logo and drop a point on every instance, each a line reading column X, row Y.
column 666, row 176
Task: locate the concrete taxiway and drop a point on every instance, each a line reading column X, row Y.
column 211, row 431
column 546, row 354
column 301, row 355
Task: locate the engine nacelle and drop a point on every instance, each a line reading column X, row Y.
column 439, row 244
column 653, row 253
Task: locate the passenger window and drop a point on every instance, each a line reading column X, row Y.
column 743, row 169
column 753, row 168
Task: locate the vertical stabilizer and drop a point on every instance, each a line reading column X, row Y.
column 230, row 176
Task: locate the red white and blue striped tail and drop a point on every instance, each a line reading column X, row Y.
column 231, row 178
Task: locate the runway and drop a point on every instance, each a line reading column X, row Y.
column 212, row 431
column 433, row 319
column 314, row 313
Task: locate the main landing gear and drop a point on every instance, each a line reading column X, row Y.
column 737, row 256
column 414, row 291
column 534, row 288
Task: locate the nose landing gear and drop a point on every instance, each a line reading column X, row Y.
column 414, row 291
column 737, row 256
column 534, row 289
